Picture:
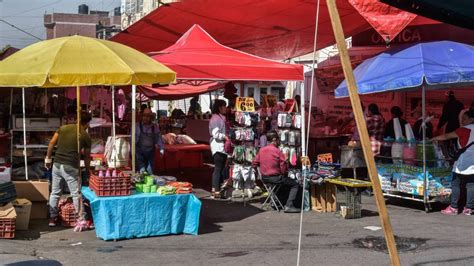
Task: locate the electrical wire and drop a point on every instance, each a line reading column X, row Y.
column 33, row 9
column 309, row 119
column 8, row 23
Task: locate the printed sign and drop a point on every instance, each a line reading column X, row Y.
column 269, row 101
column 245, row 104
column 325, row 158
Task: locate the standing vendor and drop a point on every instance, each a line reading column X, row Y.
column 450, row 116
column 217, row 130
column 148, row 138
column 66, row 165
column 463, row 168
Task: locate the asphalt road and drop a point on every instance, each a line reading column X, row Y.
column 231, row 233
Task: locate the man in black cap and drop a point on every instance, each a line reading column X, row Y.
column 450, row 115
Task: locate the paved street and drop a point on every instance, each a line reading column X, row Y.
column 232, row 233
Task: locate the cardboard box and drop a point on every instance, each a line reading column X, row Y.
column 23, row 211
column 33, row 190
column 39, row 210
column 7, row 211
column 323, row 197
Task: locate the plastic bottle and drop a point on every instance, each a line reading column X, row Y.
column 114, row 173
column 397, row 152
column 107, row 173
column 101, row 173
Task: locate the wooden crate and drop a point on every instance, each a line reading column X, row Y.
column 323, row 197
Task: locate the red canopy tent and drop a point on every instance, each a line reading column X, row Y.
column 277, row 29
column 179, row 91
column 198, row 56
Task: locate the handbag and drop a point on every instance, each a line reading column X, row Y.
column 461, row 151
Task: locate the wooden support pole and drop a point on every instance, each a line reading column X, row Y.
column 362, row 127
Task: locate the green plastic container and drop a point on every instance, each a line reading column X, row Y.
column 146, row 189
column 149, row 180
column 139, row 187
column 153, row 189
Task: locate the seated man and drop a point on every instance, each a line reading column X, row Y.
column 273, row 168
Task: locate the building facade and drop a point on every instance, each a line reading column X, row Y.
column 96, row 24
column 134, row 10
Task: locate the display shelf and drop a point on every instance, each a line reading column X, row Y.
column 31, row 146
column 35, row 130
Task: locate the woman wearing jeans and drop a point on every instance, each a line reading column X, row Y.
column 218, row 139
column 463, row 168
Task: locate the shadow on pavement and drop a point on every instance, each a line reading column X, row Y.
column 36, row 229
column 463, row 261
column 35, row 263
column 436, row 207
column 214, row 212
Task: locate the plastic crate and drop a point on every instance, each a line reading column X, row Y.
column 7, row 192
column 7, row 228
column 67, row 215
column 110, row 186
column 351, row 198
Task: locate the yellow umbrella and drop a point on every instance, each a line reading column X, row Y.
column 81, row 61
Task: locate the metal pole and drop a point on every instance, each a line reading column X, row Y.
column 113, row 127
column 10, row 123
column 185, row 106
column 78, row 97
column 24, row 133
column 134, row 118
column 423, row 126
column 210, row 101
column 305, row 139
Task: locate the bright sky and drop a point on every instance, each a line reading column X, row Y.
column 28, row 16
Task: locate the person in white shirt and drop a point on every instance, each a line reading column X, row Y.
column 217, row 130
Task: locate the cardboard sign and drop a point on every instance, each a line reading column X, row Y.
column 325, row 158
column 290, row 105
column 245, row 104
column 269, row 100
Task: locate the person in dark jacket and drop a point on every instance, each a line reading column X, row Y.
column 390, row 127
column 450, row 115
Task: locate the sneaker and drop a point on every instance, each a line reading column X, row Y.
column 467, row 211
column 53, row 222
column 291, row 210
column 227, row 184
column 450, row 211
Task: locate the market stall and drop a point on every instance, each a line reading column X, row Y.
column 123, row 217
column 57, row 69
column 200, row 62
column 419, row 172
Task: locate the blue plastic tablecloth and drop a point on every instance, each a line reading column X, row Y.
column 143, row 215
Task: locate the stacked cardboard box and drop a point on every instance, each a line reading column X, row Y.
column 36, row 191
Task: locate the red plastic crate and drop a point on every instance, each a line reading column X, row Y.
column 7, row 228
column 110, row 186
column 68, row 215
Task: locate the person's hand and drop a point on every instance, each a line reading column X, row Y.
column 48, row 162
column 162, row 152
column 226, row 138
